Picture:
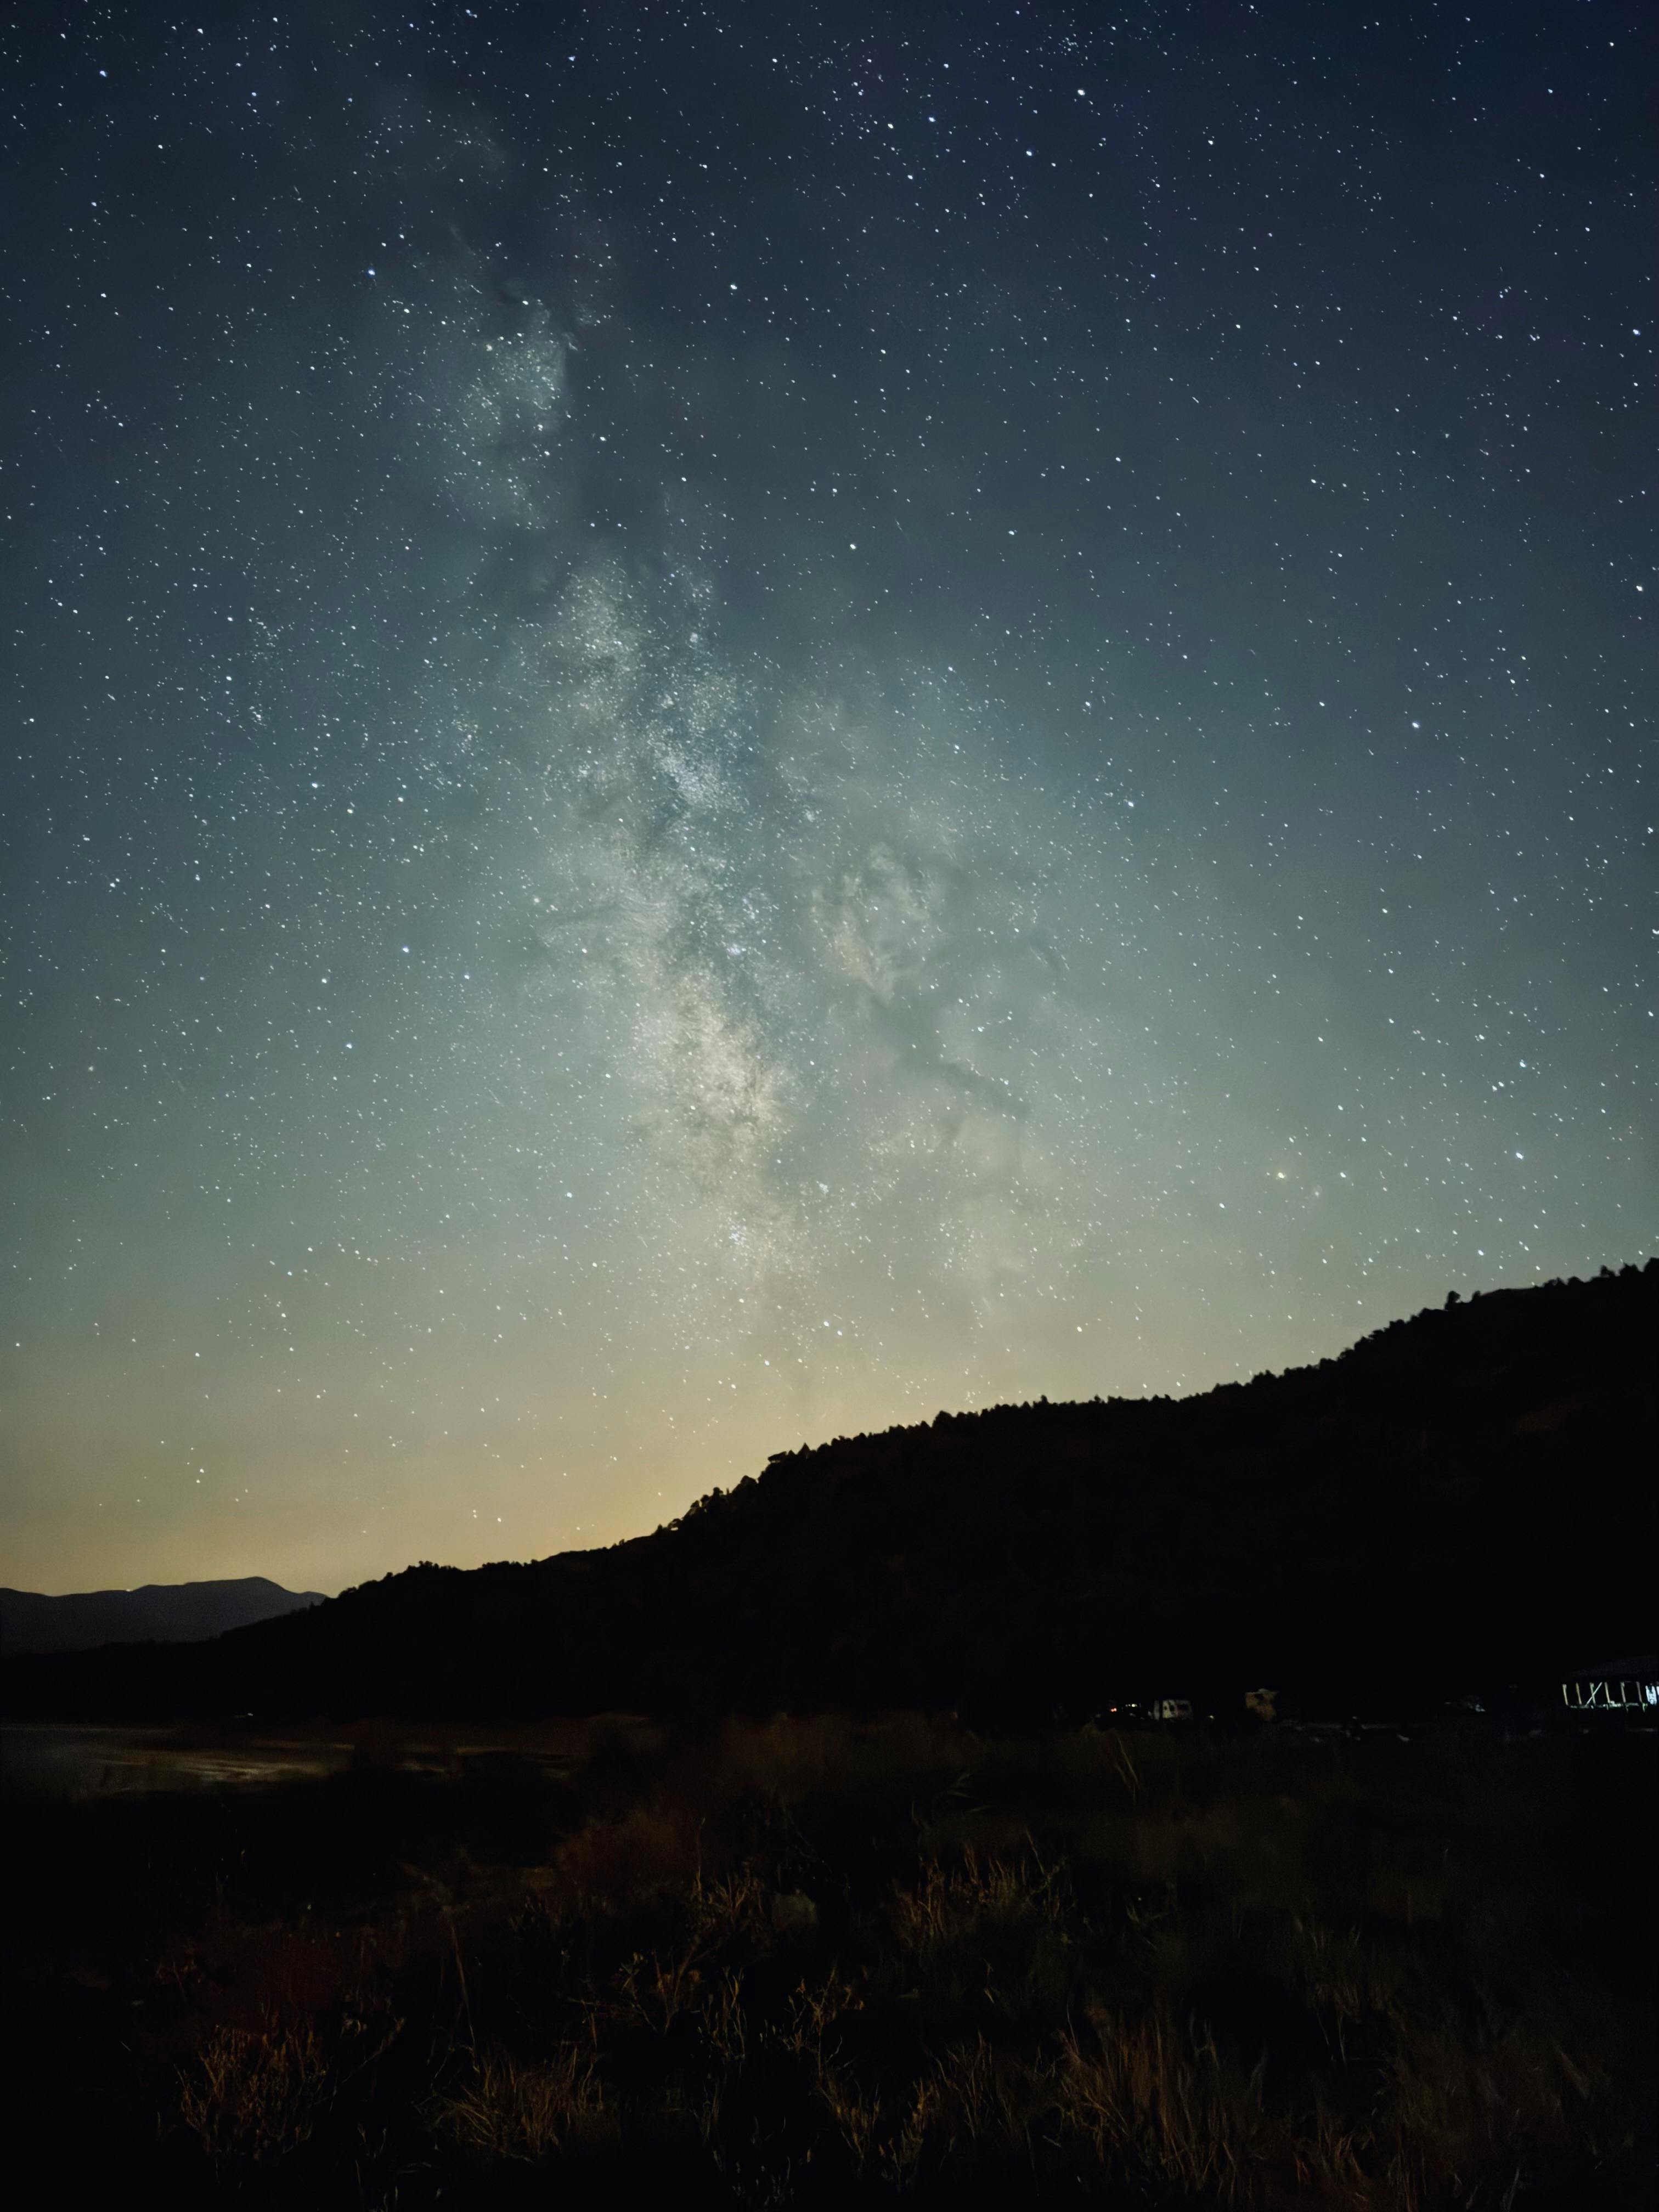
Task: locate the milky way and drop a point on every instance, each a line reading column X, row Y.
column 728, row 724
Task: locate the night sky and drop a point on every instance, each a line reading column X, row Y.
column 724, row 724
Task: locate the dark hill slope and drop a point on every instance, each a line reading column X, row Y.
column 1464, row 1496
column 159, row 1613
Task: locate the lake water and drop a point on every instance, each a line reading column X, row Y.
column 53, row 1760
column 58, row 1759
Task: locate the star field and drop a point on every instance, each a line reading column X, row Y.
column 723, row 724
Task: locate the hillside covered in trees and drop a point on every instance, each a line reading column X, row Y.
column 1463, row 1499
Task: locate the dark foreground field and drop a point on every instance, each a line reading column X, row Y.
column 815, row 1962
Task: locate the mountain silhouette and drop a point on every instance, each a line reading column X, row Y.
column 158, row 1613
column 1465, row 1498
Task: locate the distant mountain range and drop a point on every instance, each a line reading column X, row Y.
column 1464, row 1498
column 156, row 1613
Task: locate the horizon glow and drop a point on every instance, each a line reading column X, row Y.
column 718, row 739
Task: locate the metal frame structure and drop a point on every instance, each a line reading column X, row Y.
column 1610, row 1697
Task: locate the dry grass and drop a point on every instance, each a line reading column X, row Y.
column 506, row 2108
column 976, row 2101
column 1135, row 1967
column 1459, row 2115
column 256, row 2094
column 613, row 1864
column 1164, row 2109
column 1345, row 1981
